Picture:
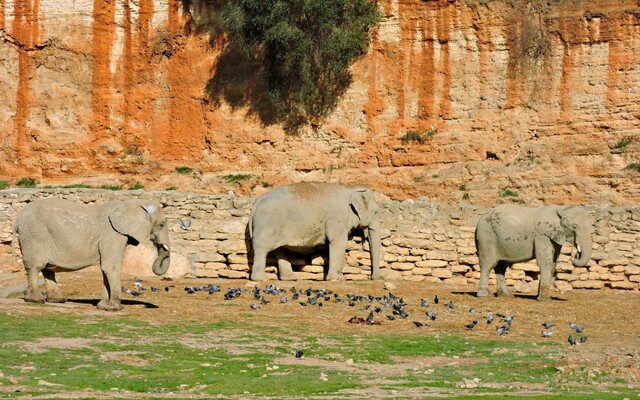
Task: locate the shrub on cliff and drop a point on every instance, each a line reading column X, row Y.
column 300, row 51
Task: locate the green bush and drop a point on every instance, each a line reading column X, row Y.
column 302, row 48
column 624, row 142
column 236, row 178
column 4, row 185
column 419, row 136
column 27, row 183
column 633, row 167
column 76, row 186
column 171, row 188
column 136, row 186
column 508, row 193
column 466, row 196
column 184, row 170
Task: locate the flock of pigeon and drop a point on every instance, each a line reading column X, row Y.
column 389, row 306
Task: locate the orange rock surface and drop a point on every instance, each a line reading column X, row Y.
column 539, row 97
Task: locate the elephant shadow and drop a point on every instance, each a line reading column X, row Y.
column 472, row 293
column 94, row 302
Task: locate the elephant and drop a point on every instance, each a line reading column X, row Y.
column 304, row 215
column 510, row 234
column 57, row 235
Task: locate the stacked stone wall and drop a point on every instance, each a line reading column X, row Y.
column 421, row 241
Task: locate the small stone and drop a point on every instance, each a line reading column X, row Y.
column 389, row 286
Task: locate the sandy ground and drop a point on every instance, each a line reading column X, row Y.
column 610, row 319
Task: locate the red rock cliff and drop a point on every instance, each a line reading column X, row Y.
column 541, row 97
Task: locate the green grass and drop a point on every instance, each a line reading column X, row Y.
column 4, row 185
column 77, row 186
column 27, row 183
column 633, row 167
column 108, row 187
column 418, row 136
column 171, row 188
column 505, row 192
column 624, row 142
column 136, row 186
column 236, row 178
column 184, row 170
column 167, row 363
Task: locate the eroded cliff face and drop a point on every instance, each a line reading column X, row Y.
column 533, row 96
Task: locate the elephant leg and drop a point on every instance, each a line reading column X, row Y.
column 54, row 293
column 486, row 265
column 285, row 271
column 33, row 294
column 111, row 282
column 547, row 256
column 259, row 265
column 337, row 248
column 501, row 269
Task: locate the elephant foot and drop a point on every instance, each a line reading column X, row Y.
column 335, row 277
column 287, row 277
column 504, row 293
column 376, row 276
column 60, row 299
column 34, row 298
column 109, row 305
column 544, row 297
column 484, row 293
column 258, row 277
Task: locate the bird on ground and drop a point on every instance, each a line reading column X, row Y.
column 418, row 323
column 299, row 353
column 583, row 339
column 436, row 300
column 500, row 330
column 450, row 305
column 254, row 306
column 576, row 328
column 283, row 300
column 154, row 289
column 471, row 325
column 431, row 315
column 572, row 341
column 547, row 325
column 184, row 225
column 547, row 333
column 489, row 318
column 424, row 303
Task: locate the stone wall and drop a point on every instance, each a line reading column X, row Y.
column 422, row 241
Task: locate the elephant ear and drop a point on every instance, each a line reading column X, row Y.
column 132, row 220
column 549, row 226
column 359, row 202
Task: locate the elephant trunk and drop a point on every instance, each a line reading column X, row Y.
column 162, row 261
column 373, row 235
column 583, row 246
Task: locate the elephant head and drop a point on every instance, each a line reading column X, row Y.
column 572, row 224
column 139, row 221
column 366, row 209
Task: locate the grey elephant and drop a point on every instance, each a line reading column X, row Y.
column 305, row 215
column 59, row 235
column 509, row 234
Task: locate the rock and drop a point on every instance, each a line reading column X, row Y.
column 389, row 286
column 139, row 259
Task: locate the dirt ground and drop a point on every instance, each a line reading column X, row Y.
column 610, row 319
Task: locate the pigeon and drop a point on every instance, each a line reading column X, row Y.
column 435, row 300
column 473, row 311
column 572, row 341
column 283, row 300
column 137, row 280
column 424, row 303
column 500, row 330
column 506, row 326
column 547, row 325
column 299, row 353
column 508, row 319
column 295, row 296
column 254, row 306
column 370, row 317
column 365, row 308
column 351, row 304
column 583, row 339
column 139, row 286
column 450, row 305
column 135, row 294
column 184, row 225
column 418, row 324
column 489, row 318
column 547, row 333
column 154, row 289
column 166, row 288
column 575, row 327
column 431, row 315
column 391, row 317
column 471, row 325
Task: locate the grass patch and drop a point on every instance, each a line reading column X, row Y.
column 624, row 142
column 136, row 186
column 4, row 185
column 184, row 170
column 77, row 186
column 27, row 183
column 505, row 192
column 466, row 196
column 418, row 136
column 633, row 167
column 107, row 187
column 171, row 188
column 236, row 178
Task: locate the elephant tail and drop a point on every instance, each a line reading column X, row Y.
column 250, row 224
column 15, row 244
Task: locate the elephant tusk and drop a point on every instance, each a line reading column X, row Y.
column 579, row 250
column 164, row 246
